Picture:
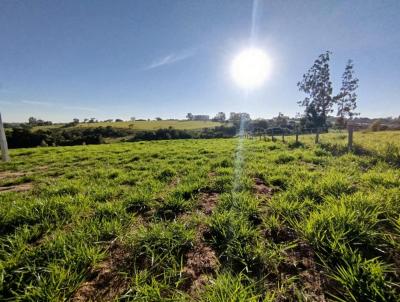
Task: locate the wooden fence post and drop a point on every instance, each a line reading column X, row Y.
column 3, row 143
column 317, row 136
column 350, row 137
column 283, row 135
column 297, row 135
column 272, row 134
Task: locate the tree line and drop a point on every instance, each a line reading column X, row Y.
column 25, row 137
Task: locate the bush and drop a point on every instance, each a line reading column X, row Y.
column 23, row 137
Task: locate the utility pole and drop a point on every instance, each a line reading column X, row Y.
column 3, row 143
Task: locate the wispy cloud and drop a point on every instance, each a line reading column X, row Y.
column 171, row 59
column 39, row 103
column 5, row 103
column 80, row 108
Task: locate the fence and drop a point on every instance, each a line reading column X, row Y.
column 283, row 133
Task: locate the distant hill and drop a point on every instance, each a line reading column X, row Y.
column 143, row 125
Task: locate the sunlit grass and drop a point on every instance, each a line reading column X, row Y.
column 344, row 206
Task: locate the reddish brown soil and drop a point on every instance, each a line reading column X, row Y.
column 9, row 174
column 301, row 262
column 16, row 188
column 106, row 282
column 282, row 235
column 207, row 202
column 201, row 260
column 261, row 189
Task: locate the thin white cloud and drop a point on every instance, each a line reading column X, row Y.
column 80, row 108
column 171, row 59
column 5, row 103
column 39, row 103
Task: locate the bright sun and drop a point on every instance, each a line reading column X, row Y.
column 250, row 68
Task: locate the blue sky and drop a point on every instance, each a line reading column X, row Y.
column 117, row 59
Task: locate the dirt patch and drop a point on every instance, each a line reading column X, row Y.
column 106, row 282
column 201, row 259
column 9, row 174
column 16, row 188
column 301, row 262
column 201, row 262
column 207, row 202
column 281, row 235
column 261, row 189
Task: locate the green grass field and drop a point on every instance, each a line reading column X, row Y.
column 204, row 220
column 145, row 125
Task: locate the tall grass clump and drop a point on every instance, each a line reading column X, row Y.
column 352, row 220
column 364, row 279
column 236, row 241
column 235, row 288
column 161, row 245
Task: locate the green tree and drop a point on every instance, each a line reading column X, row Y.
column 32, row 120
column 317, row 85
column 220, row 117
column 347, row 98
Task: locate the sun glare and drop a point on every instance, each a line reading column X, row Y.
column 250, row 68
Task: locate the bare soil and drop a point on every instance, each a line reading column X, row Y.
column 105, row 282
column 9, row 174
column 207, row 202
column 261, row 189
column 16, row 188
column 301, row 262
column 201, row 259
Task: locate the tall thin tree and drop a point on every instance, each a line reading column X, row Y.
column 347, row 98
column 317, row 85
